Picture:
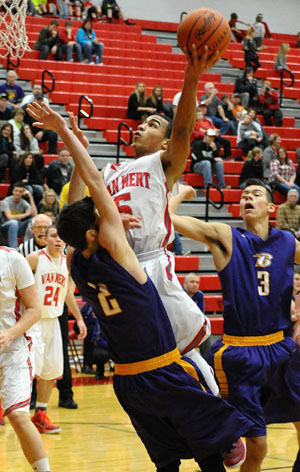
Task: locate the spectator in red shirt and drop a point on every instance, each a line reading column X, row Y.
column 269, row 101
column 69, row 44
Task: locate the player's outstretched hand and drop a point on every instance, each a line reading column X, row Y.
column 77, row 131
column 82, row 329
column 45, row 117
column 197, row 66
column 130, row 221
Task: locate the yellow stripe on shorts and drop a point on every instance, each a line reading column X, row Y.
column 219, row 372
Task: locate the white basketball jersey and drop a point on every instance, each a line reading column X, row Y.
column 139, row 187
column 51, row 278
column 15, row 274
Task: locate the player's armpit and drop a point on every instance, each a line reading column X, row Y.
column 297, row 252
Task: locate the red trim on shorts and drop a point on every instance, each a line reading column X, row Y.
column 167, row 220
column 197, row 339
column 16, row 406
column 168, row 268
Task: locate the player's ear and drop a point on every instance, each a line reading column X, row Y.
column 91, row 235
column 165, row 143
column 271, row 208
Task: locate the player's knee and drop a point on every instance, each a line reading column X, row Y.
column 17, row 418
column 256, row 448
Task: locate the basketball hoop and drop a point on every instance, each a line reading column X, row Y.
column 13, row 36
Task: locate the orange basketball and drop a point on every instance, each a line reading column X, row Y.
column 204, row 27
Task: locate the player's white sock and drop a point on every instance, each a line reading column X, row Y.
column 42, row 465
column 41, row 406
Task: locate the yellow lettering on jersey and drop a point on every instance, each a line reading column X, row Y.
column 264, row 259
column 110, row 306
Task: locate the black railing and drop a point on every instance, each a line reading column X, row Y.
column 217, row 205
column 282, row 82
column 10, row 63
column 122, row 140
column 180, row 20
column 45, row 87
column 83, row 113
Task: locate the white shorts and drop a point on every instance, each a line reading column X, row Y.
column 189, row 324
column 49, row 359
column 15, row 380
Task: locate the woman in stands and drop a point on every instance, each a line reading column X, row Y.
column 156, row 100
column 27, row 173
column 89, row 43
column 283, row 173
column 250, row 50
column 8, row 154
column 49, row 204
column 281, row 58
column 28, row 143
column 17, row 122
column 137, row 108
column 253, row 167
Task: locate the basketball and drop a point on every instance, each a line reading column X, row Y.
column 204, row 27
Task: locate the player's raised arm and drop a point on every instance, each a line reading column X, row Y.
column 174, row 158
column 111, row 233
column 77, row 186
column 217, row 236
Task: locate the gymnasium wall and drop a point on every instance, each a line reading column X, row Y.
column 282, row 16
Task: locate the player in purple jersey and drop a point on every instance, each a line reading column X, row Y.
column 256, row 366
column 166, row 396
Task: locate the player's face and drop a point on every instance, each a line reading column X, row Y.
column 254, row 204
column 192, row 285
column 55, row 245
column 150, row 136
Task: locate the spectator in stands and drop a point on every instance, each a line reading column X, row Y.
column 111, row 9
column 36, row 91
column 48, row 41
column 42, row 135
column 267, row 30
column 94, row 10
column 44, row 7
column 49, row 204
column 270, row 153
column 16, row 213
column 58, row 172
column 14, row 91
column 191, row 287
column 69, row 44
column 283, row 175
column 298, row 41
column 269, row 101
column 27, row 173
column 175, row 102
column 281, row 58
column 259, row 31
column 156, row 100
column 249, row 134
column 76, row 9
column 202, row 124
column 252, row 167
column 238, row 110
column 63, row 8
column 228, row 110
column 8, row 154
column 236, row 34
column 250, row 50
column 17, row 121
column 63, row 197
column 206, row 159
column 253, row 115
column 137, row 108
column 28, row 143
column 288, row 214
column 86, row 38
column 215, row 111
column 5, row 110
column 246, row 87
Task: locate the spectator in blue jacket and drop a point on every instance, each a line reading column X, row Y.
column 88, row 41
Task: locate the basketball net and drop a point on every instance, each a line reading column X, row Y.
column 13, row 38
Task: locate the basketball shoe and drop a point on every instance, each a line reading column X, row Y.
column 43, row 423
column 236, row 455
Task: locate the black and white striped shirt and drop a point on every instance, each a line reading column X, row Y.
column 28, row 247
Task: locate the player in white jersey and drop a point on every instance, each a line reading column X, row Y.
column 51, row 276
column 17, row 285
column 141, row 188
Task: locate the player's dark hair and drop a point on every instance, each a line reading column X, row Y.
column 259, row 183
column 48, row 229
column 296, row 269
column 75, row 220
